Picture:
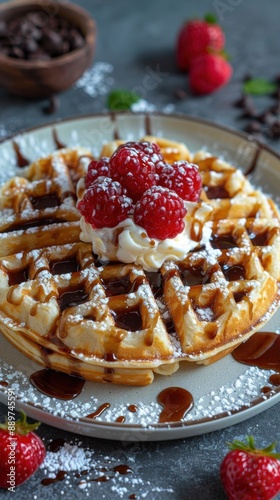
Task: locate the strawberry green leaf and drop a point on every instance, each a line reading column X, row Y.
column 222, row 53
column 259, row 86
column 22, row 427
column 249, row 446
column 210, row 18
column 121, row 100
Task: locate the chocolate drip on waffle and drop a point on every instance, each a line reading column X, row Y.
column 114, row 322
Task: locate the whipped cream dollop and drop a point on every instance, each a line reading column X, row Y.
column 129, row 243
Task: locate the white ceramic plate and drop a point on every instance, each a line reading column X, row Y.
column 224, row 393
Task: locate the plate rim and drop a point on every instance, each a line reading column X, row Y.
column 265, row 398
column 113, row 114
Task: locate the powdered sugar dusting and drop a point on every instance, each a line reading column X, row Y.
column 68, row 458
column 143, row 105
column 228, row 397
column 97, row 80
column 85, row 471
column 3, row 131
column 205, row 314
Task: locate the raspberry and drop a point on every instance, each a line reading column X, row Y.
column 160, row 212
column 134, row 169
column 198, row 37
column 149, row 148
column 105, row 203
column 97, row 168
column 183, row 178
column 208, row 73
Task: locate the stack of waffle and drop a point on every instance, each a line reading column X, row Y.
column 116, row 323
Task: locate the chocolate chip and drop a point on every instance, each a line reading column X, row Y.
column 180, row 94
column 13, row 26
column 253, row 127
column 17, row 53
column 274, row 130
column 52, row 106
column 244, row 101
column 51, row 42
column 266, row 117
column 38, row 36
column 275, row 110
column 39, row 55
column 65, row 47
column 247, row 77
column 3, row 29
column 26, row 29
column 29, row 45
column 5, row 51
column 277, row 79
column 249, row 112
column 14, row 40
column 38, row 19
column 76, row 40
column 277, row 94
column 64, row 24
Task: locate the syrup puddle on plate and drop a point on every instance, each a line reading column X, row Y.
column 262, row 350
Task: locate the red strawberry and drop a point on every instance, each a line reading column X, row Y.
column 208, row 73
column 198, row 37
column 21, row 452
column 250, row 474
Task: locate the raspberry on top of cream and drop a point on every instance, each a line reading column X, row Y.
column 136, row 208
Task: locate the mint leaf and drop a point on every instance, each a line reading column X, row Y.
column 259, row 86
column 121, row 99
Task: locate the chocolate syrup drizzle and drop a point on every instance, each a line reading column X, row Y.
column 57, row 384
column 58, row 143
column 261, row 350
column 254, row 161
column 61, row 474
column 111, row 473
column 99, row 411
column 21, row 160
column 176, row 402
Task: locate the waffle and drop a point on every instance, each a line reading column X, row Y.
column 63, row 308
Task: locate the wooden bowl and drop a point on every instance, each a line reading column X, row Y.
column 43, row 78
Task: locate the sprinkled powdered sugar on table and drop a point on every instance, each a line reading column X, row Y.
column 69, row 458
column 97, row 80
column 3, row 132
column 147, row 107
column 86, row 467
column 144, row 106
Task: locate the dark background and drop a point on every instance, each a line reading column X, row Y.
column 137, row 39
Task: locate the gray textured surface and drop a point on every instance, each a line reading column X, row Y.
column 136, row 38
